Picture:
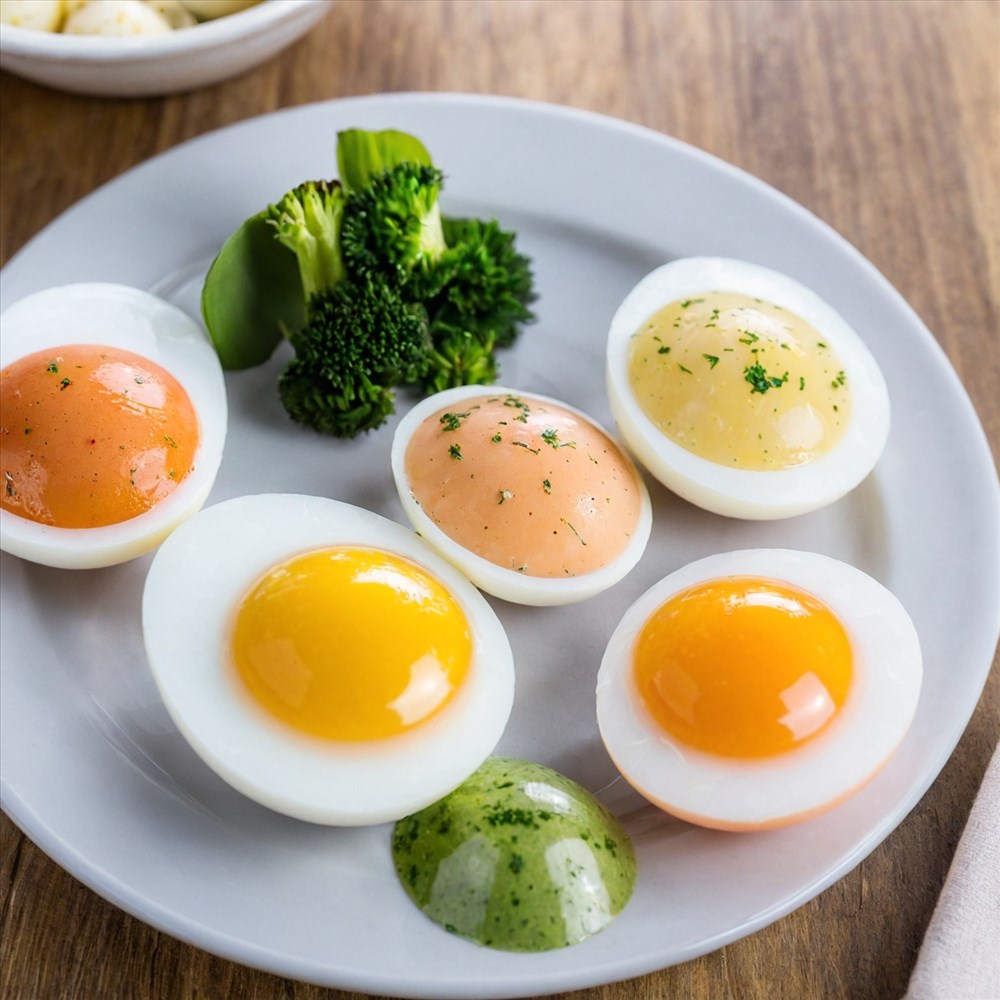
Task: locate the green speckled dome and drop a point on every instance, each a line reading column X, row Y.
column 518, row 858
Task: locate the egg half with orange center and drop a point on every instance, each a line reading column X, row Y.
column 112, row 424
column 322, row 659
column 754, row 689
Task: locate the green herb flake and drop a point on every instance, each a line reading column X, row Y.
column 52, row 368
column 838, row 381
column 523, row 444
column 452, row 421
column 504, row 495
column 456, row 452
column 496, row 439
column 686, row 370
column 759, row 380
column 750, row 338
column 571, row 528
column 170, row 441
column 802, row 382
column 547, row 486
column 665, row 349
column 712, row 360
column 65, row 383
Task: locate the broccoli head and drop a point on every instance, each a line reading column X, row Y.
column 392, row 227
column 486, row 285
column 458, row 357
column 360, row 340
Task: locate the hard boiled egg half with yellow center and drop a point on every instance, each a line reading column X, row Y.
column 754, row 689
column 742, row 390
column 113, row 424
column 322, row 659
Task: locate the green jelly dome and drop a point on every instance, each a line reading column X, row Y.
column 519, row 858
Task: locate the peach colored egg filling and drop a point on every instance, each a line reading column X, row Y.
column 91, row 436
column 525, row 484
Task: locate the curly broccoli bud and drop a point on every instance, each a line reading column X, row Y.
column 392, row 228
column 458, row 357
column 359, row 342
column 487, row 284
column 308, row 220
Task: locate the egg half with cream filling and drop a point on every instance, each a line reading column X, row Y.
column 113, row 423
column 742, row 390
column 324, row 660
column 758, row 688
column 529, row 497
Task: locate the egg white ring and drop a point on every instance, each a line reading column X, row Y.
column 195, row 584
column 747, row 493
column 128, row 318
column 772, row 791
column 508, row 584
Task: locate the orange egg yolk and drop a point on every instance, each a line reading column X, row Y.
column 351, row 644
column 91, row 436
column 743, row 667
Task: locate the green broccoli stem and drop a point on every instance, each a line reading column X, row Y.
column 308, row 221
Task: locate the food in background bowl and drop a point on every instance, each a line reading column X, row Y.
column 115, row 17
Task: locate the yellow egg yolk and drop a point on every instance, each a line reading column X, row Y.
column 91, row 436
column 742, row 667
column 351, row 644
column 528, row 485
column 739, row 381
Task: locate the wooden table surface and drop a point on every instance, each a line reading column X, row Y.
column 883, row 118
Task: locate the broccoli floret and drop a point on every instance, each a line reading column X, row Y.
column 307, row 220
column 487, row 284
column 458, row 357
column 392, row 228
column 361, row 339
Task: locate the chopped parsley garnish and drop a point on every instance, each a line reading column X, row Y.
column 523, row 444
column 750, row 338
column 452, row 421
column 571, row 528
column 547, row 486
column 683, row 369
column 65, row 383
column 712, row 360
column 456, row 452
column 838, row 381
column 496, row 439
column 504, row 495
column 760, row 381
column 551, row 437
column 52, row 368
column 665, row 349
column 170, row 441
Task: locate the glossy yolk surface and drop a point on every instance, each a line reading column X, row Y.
column 743, row 667
column 739, row 381
column 350, row 644
column 91, row 436
column 525, row 484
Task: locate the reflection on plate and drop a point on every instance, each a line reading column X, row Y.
column 96, row 774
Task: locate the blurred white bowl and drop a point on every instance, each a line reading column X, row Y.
column 159, row 64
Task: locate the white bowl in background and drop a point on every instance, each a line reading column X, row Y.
column 142, row 66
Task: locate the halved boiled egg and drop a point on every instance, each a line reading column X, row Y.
column 742, row 390
column 322, row 659
column 113, row 424
column 530, row 498
column 754, row 689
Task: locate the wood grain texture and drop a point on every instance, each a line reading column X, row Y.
column 883, row 118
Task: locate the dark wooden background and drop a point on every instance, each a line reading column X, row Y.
column 882, row 117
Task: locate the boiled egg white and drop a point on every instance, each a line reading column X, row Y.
column 743, row 391
column 754, row 689
column 526, row 495
column 324, row 660
column 113, row 426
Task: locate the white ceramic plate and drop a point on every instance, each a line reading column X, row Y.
column 96, row 774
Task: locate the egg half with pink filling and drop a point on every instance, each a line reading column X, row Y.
column 526, row 495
